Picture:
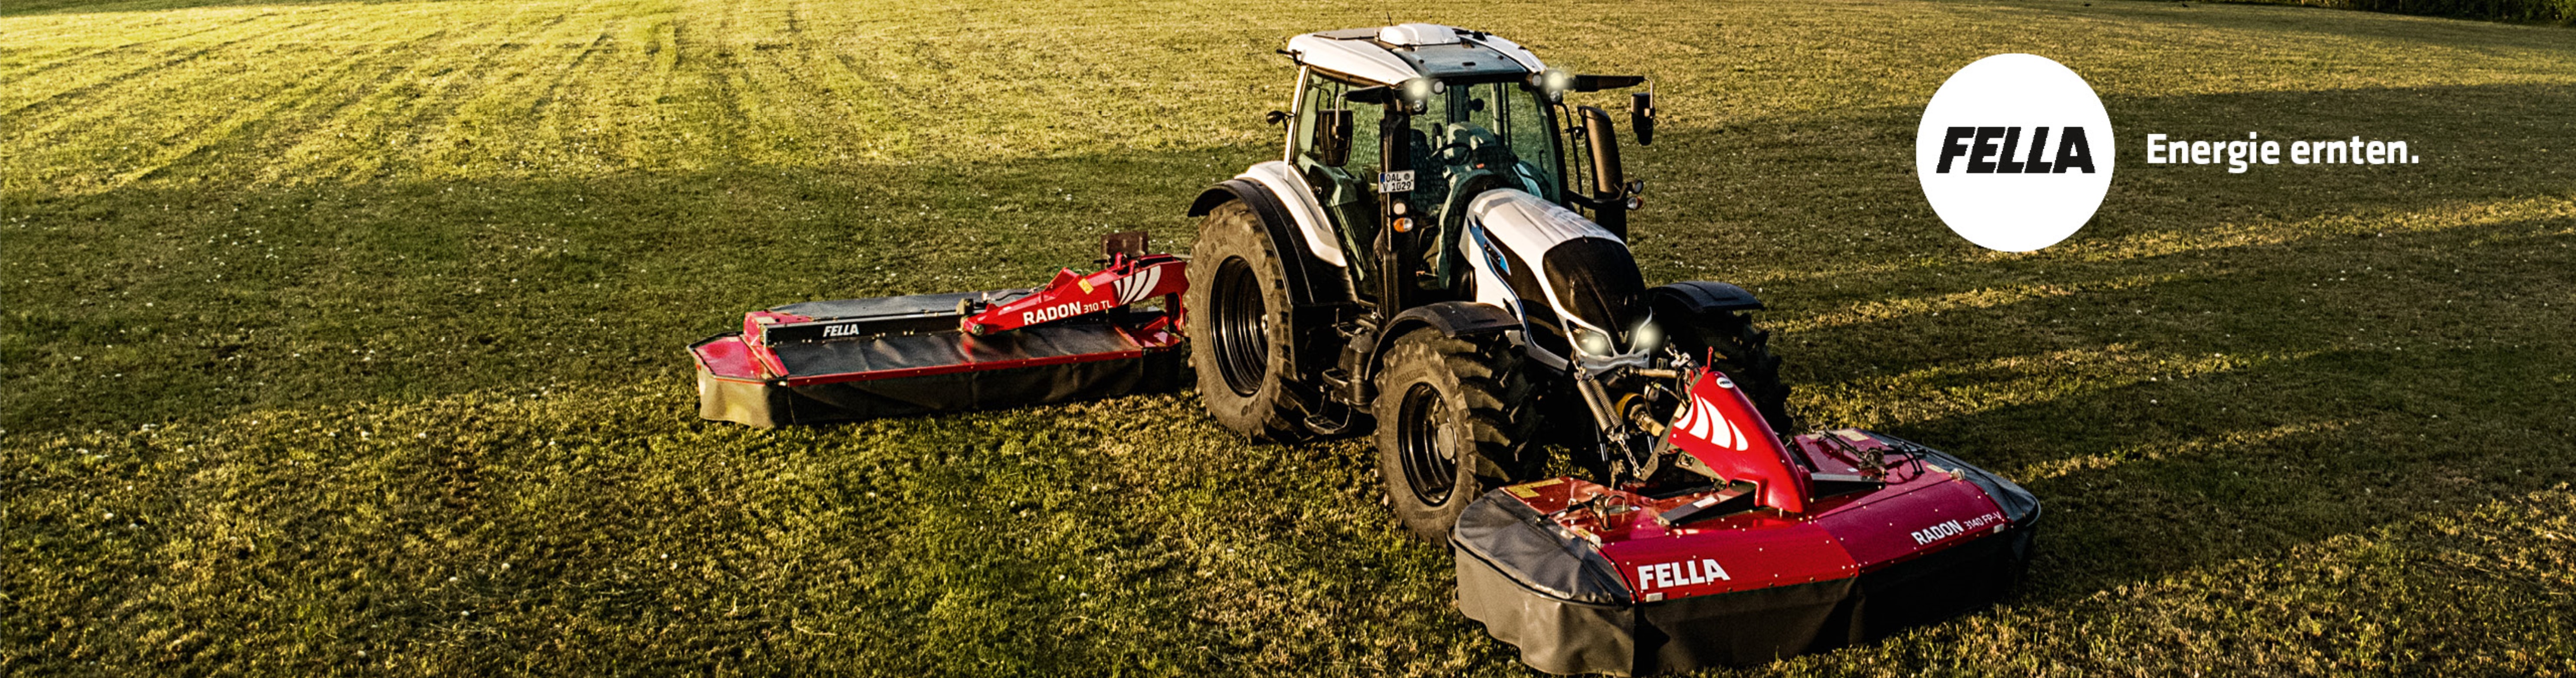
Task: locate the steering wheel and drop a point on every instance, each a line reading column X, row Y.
column 1469, row 136
column 1460, row 157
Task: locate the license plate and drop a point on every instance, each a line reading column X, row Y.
column 1395, row 182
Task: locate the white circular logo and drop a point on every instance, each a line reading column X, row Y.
column 2014, row 152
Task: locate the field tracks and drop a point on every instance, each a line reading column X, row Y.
column 192, row 140
column 48, row 102
column 554, row 90
column 40, row 69
column 244, row 128
column 393, row 112
column 726, row 68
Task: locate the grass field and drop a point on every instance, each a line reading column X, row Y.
column 345, row 337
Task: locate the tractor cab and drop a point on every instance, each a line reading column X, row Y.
column 1396, row 129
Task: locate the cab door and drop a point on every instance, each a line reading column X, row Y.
column 1347, row 191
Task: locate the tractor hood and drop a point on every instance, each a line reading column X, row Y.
column 1548, row 253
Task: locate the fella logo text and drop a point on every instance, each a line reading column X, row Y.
column 1680, row 573
column 2014, row 152
column 2007, row 150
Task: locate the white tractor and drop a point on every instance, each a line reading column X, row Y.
column 1439, row 256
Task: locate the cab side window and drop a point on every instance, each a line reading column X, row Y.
column 1346, row 192
column 1318, row 91
column 1323, row 93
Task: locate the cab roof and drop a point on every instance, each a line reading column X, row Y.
column 1393, row 54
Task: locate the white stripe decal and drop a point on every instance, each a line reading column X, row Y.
column 1134, row 287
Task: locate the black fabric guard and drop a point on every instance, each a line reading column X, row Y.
column 1093, row 374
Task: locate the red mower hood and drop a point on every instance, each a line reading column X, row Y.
column 1721, row 432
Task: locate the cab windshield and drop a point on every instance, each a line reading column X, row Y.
column 1483, row 136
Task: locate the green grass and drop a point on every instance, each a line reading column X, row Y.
column 346, row 337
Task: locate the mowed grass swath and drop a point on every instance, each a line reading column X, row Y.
column 346, row 336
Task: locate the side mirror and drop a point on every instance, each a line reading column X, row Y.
column 1596, row 83
column 1607, row 180
column 1274, row 117
column 1641, row 117
column 1379, row 94
column 1333, row 136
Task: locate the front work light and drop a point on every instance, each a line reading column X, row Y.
column 1553, row 83
column 1418, row 91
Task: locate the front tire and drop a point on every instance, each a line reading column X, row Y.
column 1239, row 326
column 1454, row 421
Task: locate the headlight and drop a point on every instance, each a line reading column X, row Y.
column 1647, row 337
column 1592, row 343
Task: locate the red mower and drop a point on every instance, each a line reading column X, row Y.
column 1757, row 550
column 1080, row 337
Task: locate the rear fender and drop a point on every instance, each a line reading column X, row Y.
column 1297, row 203
column 1311, row 280
column 1698, row 298
column 1453, row 318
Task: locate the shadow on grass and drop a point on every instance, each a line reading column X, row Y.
column 2256, row 405
column 2187, row 473
column 144, row 305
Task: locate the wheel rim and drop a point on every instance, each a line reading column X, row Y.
column 1242, row 327
column 1430, row 466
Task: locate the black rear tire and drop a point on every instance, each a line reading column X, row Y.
column 1454, row 421
column 1239, row 326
